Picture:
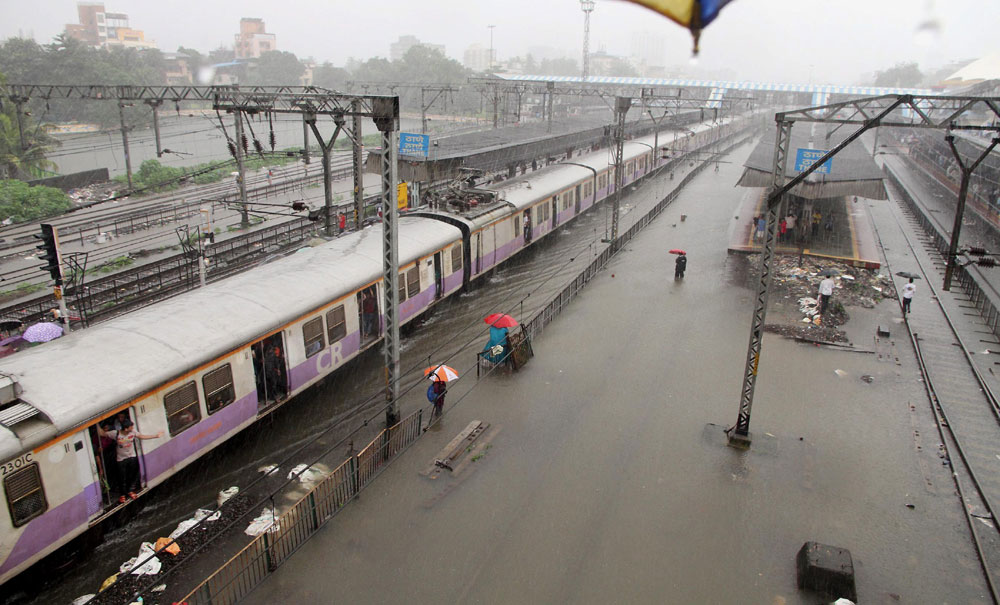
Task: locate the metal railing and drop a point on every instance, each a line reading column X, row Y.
column 981, row 293
column 242, row 573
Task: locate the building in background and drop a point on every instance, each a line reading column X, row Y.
column 648, row 53
column 178, row 69
column 100, row 28
column 477, row 58
column 399, row 48
column 253, row 40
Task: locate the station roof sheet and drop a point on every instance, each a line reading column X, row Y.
column 853, row 171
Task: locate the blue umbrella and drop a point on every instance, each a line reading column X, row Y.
column 42, row 332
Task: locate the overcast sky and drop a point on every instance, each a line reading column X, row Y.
column 834, row 42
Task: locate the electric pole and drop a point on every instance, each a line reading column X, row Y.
column 588, row 7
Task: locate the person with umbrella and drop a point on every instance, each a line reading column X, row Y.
column 498, row 347
column 440, row 374
column 680, row 265
column 908, row 290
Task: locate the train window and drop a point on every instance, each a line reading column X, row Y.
column 588, row 189
column 456, row 258
column 517, row 226
column 312, row 336
column 401, row 287
column 413, row 282
column 602, row 181
column 25, row 494
column 218, row 386
column 336, row 324
column 182, row 408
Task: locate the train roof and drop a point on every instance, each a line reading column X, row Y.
column 87, row 373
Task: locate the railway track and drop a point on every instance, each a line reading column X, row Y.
column 962, row 398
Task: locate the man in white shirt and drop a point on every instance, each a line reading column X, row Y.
column 825, row 292
column 908, row 291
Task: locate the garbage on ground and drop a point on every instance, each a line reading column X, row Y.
column 148, row 564
column 108, row 582
column 182, row 527
column 268, row 469
column 266, row 521
column 840, row 373
column 83, row 599
column 868, row 378
column 227, row 494
column 167, row 545
column 305, row 474
column 202, row 513
column 159, row 588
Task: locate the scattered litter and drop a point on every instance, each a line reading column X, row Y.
column 908, row 505
column 149, row 567
column 202, row 513
column 82, row 600
column 840, row 373
column 269, row 468
column 843, row 601
column 159, row 588
column 182, row 527
column 986, row 522
column 126, row 566
column 167, row 545
column 304, row 474
column 108, row 582
column 849, row 278
column 868, row 378
column 265, row 522
column 806, row 320
column 227, row 494
column 876, row 288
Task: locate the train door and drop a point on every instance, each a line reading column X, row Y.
column 438, row 283
column 270, row 370
column 368, row 314
column 527, row 226
column 579, row 189
column 479, row 251
column 104, row 449
column 555, row 211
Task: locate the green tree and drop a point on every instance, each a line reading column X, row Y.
column 906, row 75
column 22, row 158
column 328, row 76
column 20, row 202
column 276, row 68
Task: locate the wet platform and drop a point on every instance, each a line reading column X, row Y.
column 850, row 240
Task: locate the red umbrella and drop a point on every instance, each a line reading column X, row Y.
column 677, row 251
column 500, row 320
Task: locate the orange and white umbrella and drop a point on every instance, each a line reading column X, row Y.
column 441, row 372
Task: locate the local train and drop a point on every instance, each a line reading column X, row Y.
column 198, row 368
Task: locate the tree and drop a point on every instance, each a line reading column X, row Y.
column 905, row 75
column 277, row 68
column 22, row 158
column 328, row 76
column 19, row 202
column 616, row 66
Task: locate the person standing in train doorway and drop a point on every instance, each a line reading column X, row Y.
column 128, row 460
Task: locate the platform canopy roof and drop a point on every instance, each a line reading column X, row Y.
column 852, row 171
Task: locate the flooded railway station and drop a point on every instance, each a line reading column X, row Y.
column 491, row 329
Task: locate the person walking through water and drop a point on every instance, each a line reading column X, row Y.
column 439, row 388
column 680, row 265
column 908, row 291
column 825, row 292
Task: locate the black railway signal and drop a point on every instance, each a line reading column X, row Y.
column 50, row 249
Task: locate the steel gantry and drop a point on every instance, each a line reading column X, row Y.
column 903, row 111
column 309, row 102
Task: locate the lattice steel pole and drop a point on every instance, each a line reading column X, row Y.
column 739, row 435
column 588, row 7
column 386, row 117
column 622, row 105
column 128, row 159
column 241, row 168
column 357, row 168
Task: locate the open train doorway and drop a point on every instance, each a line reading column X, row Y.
column 270, row 370
column 368, row 314
column 110, row 474
column 438, row 277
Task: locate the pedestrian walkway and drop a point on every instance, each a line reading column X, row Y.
column 607, row 477
column 850, row 240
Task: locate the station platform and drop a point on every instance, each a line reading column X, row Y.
column 851, row 240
